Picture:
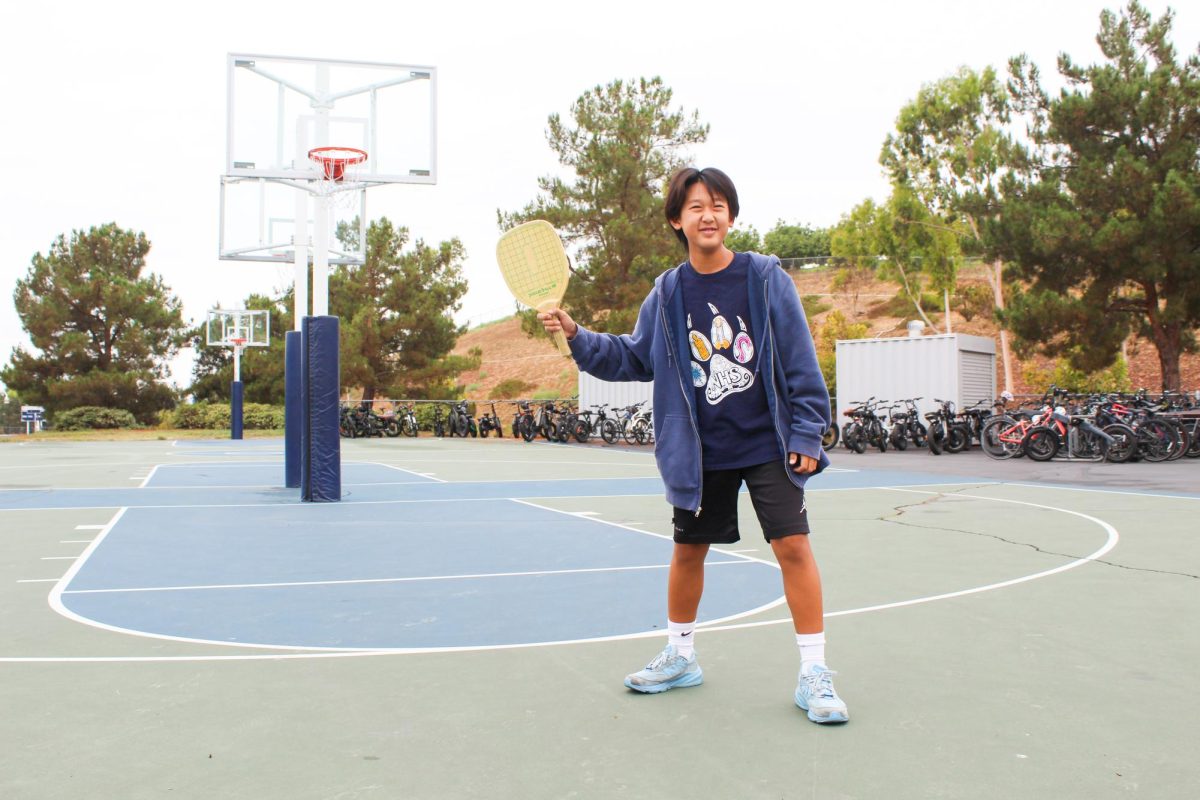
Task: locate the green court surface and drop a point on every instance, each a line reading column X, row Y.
column 999, row 629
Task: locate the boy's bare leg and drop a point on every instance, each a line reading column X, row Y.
column 685, row 582
column 801, row 582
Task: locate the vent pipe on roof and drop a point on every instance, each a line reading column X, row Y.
column 915, row 328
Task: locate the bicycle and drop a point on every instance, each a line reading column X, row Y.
column 946, row 433
column 628, row 415
column 439, row 420
column 491, row 422
column 595, row 422
column 522, row 421
column 459, row 421
column 408, row 420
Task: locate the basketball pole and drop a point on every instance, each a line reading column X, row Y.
column 235, row 395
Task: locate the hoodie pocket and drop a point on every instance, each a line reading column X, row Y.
column 675, row 451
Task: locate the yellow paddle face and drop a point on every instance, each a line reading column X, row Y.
column 534, row 265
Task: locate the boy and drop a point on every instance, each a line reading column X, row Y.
column 738, row 396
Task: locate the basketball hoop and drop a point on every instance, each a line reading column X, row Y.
column 337, row 163
column 238, row 342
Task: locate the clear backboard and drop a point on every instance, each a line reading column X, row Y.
column 282, row 107
column 238, row 327
column 258, row 222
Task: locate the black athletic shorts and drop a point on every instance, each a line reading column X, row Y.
column 778, row 502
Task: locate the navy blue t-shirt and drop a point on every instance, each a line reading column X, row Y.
column 731, row 403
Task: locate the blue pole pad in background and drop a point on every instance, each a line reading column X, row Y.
column 321, row 479
column 293, row 408
column 235, row 410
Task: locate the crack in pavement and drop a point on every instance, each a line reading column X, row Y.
column 899, row 511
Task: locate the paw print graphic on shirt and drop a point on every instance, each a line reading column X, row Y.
column 722, row 376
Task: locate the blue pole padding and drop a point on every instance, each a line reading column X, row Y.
column 293, row 408
column 321, row 481
column 235, row 410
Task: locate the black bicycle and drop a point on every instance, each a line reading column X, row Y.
column 459, row 421
column 491, row 422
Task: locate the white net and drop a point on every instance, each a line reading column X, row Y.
column 338, row 170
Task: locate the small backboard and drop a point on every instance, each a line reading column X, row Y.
column 238, row 328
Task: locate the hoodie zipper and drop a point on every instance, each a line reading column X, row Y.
column 771, row 387
column 662, row 313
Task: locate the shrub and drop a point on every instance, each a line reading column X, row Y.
column 83, row 418
column 511, row 389
column 976, row 300
column 188, row 417
column 260, row 416
column 215, row 416
column 813, row 305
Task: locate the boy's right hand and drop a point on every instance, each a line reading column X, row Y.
column 558, row 320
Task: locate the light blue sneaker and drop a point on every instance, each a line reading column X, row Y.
column 816, row 695
column 668, row 670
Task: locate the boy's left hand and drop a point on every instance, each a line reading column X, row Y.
column 801, row 463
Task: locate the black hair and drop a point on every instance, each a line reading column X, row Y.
column 717, row 183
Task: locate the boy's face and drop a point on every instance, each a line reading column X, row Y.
column 704, row 219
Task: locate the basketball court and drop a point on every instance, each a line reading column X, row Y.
column 460, row 624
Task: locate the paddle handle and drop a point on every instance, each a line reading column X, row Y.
column 560, row 339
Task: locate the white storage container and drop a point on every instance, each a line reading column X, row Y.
column 950, row 366
column 593, row 391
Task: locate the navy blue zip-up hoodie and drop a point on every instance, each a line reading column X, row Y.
column 658, row 348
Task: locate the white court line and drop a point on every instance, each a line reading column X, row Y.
column 750, row 612
column 712, row 625
column 149, row 476
column 40, row 580
column 1105, row 491
column 59, row 558
column 355, row 581
column 400, row 469
column 74, row 541
column 1110, row 542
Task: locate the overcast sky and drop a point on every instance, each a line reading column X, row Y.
column 115, row 111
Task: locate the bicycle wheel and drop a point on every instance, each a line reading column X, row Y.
column 1041, row 443
column 958, row 438
column 642, row 431
column 846, row 429
column 856, row 439
column 990, row 438
column 1155, row 440
column 830, row 439
column 1124, row 443
column 1184, row 439
column 608, row 431
column 527, row 428
column 583, row 431
column 1193, row 450
column 937, row 438
column 919, row 434
column 391, row 428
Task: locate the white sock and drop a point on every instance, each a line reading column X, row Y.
column 680, row 635
column 812, row 651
